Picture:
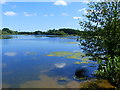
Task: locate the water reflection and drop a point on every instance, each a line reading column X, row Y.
column 6, row 37
column 43, row 62
column 60, row 65
column 10, row 53
column 80, row 73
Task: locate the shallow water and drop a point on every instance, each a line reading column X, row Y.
column 30, row 61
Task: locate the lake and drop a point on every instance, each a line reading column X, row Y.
column 30, row 61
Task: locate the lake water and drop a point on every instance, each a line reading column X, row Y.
column 30, row 61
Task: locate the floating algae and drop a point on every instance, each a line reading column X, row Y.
column 81, row 62
column 60, row 54
column 72, row 42
column 49, row 55
column 72, row 55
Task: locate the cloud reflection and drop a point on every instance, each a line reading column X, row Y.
column 10, row 54
column 60, row 65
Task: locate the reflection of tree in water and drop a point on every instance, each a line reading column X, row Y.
column 80, row 73
column 6, row 37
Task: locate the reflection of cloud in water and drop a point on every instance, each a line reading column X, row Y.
column 30, row 53
column 10, row 54
column 60, row 65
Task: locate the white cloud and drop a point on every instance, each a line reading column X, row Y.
column 51, row 14
column 81, row 9
column 2, row 1
column 48, row 15
column 60, row 2
column 60, row 65
column 29, row 14
column 45, row 15
column 10, row 54
column 10, row 13
column 64, row 14
column 85, row 1
column 77, row 17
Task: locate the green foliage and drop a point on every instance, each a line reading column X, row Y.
column 110, row 70
column 38, row 32
column 101, row 38
column 64, row 31
column 55, row 32
column 102, row 30
column 7, row 31
column 70, row 31
column 26, row 33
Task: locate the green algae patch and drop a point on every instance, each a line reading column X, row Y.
column 81, row 62
column 61, row 54
column 71, row 55
column 49, row 55
column 72, row 42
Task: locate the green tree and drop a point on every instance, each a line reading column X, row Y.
column 102, row 28
column 102, row 38
column 38, row 32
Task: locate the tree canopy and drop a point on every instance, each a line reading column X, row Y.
column 101, row 38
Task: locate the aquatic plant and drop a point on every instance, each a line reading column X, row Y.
column 73, row 42
column 49, row 55
column 62, row 53
column 72, row 55
column 81, row 62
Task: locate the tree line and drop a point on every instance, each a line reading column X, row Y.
column 62, row 31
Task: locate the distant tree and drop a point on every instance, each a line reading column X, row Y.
column 38, row 32
column 7, row 30
column 70, row 31
column 0, row 32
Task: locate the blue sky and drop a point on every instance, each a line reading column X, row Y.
column 32, row 16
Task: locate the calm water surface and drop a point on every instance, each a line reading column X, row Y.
column 25, row 63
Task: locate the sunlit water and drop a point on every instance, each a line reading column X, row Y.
column 25, row 63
